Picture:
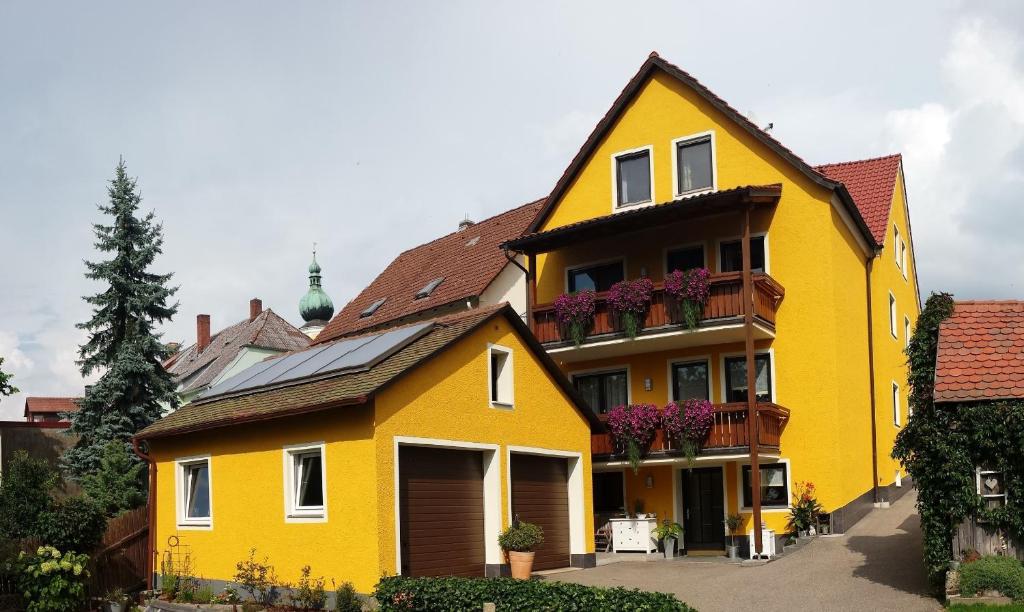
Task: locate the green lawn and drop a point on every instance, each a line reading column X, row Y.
column 984, row 607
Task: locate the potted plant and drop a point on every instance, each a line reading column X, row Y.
column 632, row 429
column 805, row 509
column 733, row 522
column 575, row 314
column 690, row 291
column 668, row 533
column 629, row 300
column 638, row 508
column 115, row 600
column 688, row 423
column 519, row 542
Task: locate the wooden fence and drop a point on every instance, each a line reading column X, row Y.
column 985, row 539
column 120, row 559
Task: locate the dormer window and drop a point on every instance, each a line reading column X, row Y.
column 694, row 164
column 428, row 288
column 372, row 308
column 633, row 172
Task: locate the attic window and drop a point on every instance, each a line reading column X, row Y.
column 372, row 308
column 429, row 288
column 473, row 241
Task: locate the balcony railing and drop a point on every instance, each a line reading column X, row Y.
column 724, row 302
column 728, row 433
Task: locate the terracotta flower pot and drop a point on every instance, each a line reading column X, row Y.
column 522, row 564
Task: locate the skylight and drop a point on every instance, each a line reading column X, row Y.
column 372, row 308
column 428, row 288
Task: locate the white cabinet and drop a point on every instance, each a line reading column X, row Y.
column 634, row 535
column 767, row 543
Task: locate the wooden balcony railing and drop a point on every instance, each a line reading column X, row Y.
column 729, row 431
column 724, row 302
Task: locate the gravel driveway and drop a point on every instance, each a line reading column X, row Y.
column 875, row 566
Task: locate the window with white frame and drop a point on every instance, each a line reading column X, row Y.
column 500, row 375
column 194, row 499
column 896, row 420
column 991, row 487
column 903, row 257
column 892, row 315
column 906, row 330
column 896, row 246
column 774, row 486
column 694, row 165
column 633, row 177
column 305, row 485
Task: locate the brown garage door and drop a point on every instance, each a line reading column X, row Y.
column 441, row 500
column 540, row 494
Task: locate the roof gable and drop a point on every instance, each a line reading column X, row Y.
column 872, row 184
column 980, row 354
column 51, row 405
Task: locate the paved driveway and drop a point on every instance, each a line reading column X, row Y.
column 875, row 566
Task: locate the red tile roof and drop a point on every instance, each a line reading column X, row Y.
column 51, row 405
column 981, row 352
column 468, row 260
column 871, row 182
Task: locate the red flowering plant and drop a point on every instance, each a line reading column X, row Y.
column 688, row 423
column 690, row 290
column 629, row 299
column 633, row 428
column 575, row 314
column 805, row 509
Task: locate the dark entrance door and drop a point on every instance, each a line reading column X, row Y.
column 704, row 509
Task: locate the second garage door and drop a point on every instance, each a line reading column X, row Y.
column 441, row 500
column 540, row 494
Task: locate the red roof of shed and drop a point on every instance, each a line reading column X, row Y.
column 981, row 352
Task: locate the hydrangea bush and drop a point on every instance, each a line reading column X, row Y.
column 575, row 313
column 688, row 423
column 51, row 581
column 633, row 428
column 691, row 290
column 629, row 299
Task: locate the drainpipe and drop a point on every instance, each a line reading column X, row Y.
column 871, row 379
column 151, row 532
column 752, row 420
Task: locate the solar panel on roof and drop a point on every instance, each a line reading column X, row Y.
column 355, row 354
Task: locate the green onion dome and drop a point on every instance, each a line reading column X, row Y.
column 316, row 305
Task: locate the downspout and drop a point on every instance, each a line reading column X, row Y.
column 871, row 379
column 151, row 532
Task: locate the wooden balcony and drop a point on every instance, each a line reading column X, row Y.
column 724, row 303
column 728, row 434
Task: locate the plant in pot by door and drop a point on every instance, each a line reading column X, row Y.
column 629, row 300
column 574, row 313
column 805, row 509
column 632, row 429
column 733, row 522
column 690, row 291
column 520, row 541
column 668, row 533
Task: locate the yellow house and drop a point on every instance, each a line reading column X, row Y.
column 812, row 276
column 405, row 450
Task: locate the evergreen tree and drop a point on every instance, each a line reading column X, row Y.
column 6, row 388
column 122, row 345
column 114, row 486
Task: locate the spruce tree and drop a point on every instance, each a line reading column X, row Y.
column 122, row 345
column 6, row 388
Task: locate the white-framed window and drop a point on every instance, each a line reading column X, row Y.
column 892, row 316
column 500, row 376
column 896, row 419
column 305, row 482
column 693, row 164
column 903, row 257
column 633, row 177
column 906, row 331
column 774, row 492
column 896, row 246
column 194, row 492
column 991, row 487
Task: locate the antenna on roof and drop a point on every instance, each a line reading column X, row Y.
column 769, row 127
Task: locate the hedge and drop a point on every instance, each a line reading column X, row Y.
column 403, row 593
column 1003, row 574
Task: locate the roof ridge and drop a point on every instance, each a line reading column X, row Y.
column 481, row 222
column 1008, row 301
column 859, row 161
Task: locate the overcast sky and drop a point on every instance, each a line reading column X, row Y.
column 257, row 128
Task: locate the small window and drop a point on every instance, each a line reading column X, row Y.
column 731, row 255
column 633, row 178
column 892, row 316
column 428, row 288
column 774, row 486
column 596, row 278
column 906, row 331
column 501, row 383
column 686, row 258
column 896, row 420
column 372, row 308
column 603, row 391
column 736, row 378
column 903, row 257
column 690, row 381
column 194, row 492
column 991, row 487
column 694, row 165
column 896, row 246
column 305, row 486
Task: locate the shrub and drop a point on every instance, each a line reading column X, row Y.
column 73, row 523
column 521, row 537
column 1003, row 574
column 346, row 600
column 310, row 593
column 257, row 579
column 24, row 495
column 228, row 596
column 805, row 507
column 52, row 582
column 119, row 485
column 403, row 593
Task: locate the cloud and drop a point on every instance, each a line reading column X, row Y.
column 563, row 139
column 15, row 360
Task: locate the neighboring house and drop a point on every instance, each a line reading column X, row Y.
column 43, row 434
column 214, row 358
column 464, row 269
column 675, row 178
column 50, row 409
column 400, row 451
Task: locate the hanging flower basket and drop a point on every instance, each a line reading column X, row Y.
column 688, row 423
column 632, row 428
column 690, row 291
column 629, row 301
column 575, row 314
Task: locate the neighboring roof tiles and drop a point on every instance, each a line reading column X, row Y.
column 50, row 405
column 871, row 182
column 268, row 330
column 980, row 352
column 467, row 260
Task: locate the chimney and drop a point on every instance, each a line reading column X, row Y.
column 202, row 332
column 466, row 223
column 255, row 308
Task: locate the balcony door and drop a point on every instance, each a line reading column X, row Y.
column 704, row 509
column 690, row 380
